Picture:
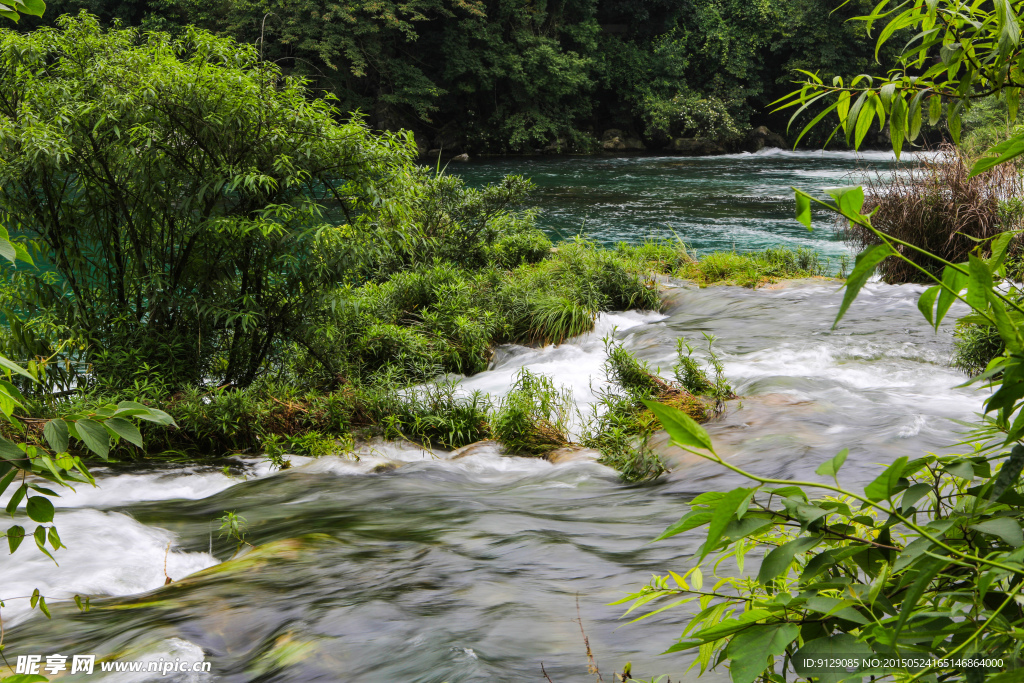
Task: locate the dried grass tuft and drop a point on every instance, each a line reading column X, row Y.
column 936, row 207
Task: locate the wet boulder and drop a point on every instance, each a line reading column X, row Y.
column 572, row 454
column 761, row 137
column 614, row 140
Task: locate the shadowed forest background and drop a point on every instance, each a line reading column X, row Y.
column 494, row 76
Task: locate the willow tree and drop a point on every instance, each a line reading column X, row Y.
column 177, row 187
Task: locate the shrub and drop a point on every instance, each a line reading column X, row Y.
column 175, row 185
column 974, row 346
column 519, row 248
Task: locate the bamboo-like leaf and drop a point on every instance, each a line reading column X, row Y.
column 864, row 266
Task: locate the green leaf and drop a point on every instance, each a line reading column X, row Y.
column 7, row 249
column 963, row 469
column 865, row 118
column 898, row 125
column 691, row 520
column 94, row 435
column 124, row 429
column 914, row 119
column 863, row 268
column 724, row 512
column 911, row 553
column 926, row 303
column 934, row 109
column 750, row 649
column 843, row 108
column 914, row 494
column 927, row 571
column 956, row 281
column 33, row 7
column 131, row 408
column 728, row 627
column 805, row 513
column 1007, row 330
column 885, row 484
column 42, row 605
column 1005, row 528
column 39, row 509
column 779, row 559
column 15, row 368
column 953, row 120
column 680, row 426
column 15, row 535
column 803, row 209
column 56, row 434
column 7, row 479
column 830, row 468
column 10, row 451
column 850, row 199
column 15, row 501
column 979, row 282
column 999, row 154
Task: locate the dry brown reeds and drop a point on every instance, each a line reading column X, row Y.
column 935, row 206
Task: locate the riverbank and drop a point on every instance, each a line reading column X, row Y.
column 415, row 347
column 469, row 569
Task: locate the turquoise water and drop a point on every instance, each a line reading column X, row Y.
column 736, row 202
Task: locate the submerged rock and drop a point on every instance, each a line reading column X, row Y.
column 572, row 454
column 761, row 137
column 485, row 447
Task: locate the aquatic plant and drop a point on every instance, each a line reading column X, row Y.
column 620, row 424
column 533, row 418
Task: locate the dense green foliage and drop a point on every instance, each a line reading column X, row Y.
column 509, row 75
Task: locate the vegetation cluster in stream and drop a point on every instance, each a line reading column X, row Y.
column 272, row 273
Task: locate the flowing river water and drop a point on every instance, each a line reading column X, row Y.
column 476, row 568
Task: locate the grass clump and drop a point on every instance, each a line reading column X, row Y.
column 936, row 207
column 754, row 269
column 533, row 418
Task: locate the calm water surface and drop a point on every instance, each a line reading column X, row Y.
column 471, row 569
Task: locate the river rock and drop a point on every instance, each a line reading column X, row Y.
column 461, row 157
column 696, row 147
column 761, row 137
column 572, row 454
column 485, row 447
column 614, row 140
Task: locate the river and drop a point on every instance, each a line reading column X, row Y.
column 471, row 570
